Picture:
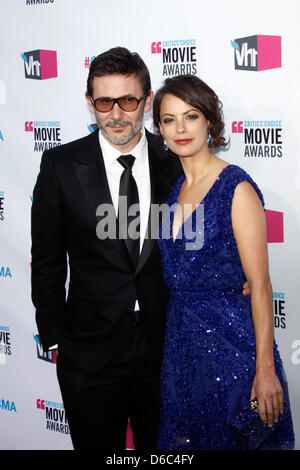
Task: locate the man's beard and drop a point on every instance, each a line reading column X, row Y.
column 115, row 140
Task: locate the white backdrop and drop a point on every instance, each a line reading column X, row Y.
column 42, row 104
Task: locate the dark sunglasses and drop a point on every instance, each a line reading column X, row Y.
column 126, row 103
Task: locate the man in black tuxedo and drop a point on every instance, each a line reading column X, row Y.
column 109, row 328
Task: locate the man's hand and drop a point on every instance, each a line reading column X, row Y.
column 246, row 288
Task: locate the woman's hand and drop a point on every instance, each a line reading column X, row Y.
column 268, row 391
column 249, row 227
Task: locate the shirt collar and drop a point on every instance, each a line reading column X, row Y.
column 110, row 153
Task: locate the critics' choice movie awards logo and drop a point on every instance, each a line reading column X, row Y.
column 279, row 309
column 261, row 138
column 5, row 344
column 46, row 134
column 48, row 356
column 178, row 57
column 55, row 416
column 1, row 205
column 40, row 64
column 257, row 53
column 87, row 61
column 7, row 405
column 5, row 272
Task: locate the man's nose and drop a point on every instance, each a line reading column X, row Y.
column 117, row 112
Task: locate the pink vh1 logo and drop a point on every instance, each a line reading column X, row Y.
column 256, row 53
column 40, row 64
column 274, row 222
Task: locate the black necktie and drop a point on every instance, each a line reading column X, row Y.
column 129, row 225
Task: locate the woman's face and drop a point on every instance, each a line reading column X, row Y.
column 184, row 128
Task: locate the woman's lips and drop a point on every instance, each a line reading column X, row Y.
column 183, row 141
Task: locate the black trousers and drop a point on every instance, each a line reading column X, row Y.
column 98, row 408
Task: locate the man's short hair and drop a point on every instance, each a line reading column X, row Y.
column 119, row 61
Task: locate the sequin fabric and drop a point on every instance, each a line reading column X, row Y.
column 209, row 354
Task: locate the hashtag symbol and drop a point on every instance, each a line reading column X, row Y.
column 87, row 62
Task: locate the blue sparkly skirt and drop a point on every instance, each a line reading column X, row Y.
column 208, row 371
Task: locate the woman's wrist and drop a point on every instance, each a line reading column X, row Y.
column 263, row 367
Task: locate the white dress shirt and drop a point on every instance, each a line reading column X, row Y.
column 140, row 172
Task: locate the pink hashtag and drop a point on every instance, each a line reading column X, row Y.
column 87, row 62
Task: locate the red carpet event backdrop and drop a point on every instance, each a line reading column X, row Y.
column 248, row 53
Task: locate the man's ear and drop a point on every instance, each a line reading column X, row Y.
column 90, row 104
column 148, row 101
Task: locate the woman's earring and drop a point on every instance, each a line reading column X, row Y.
column 209, row 140
column 166, row 147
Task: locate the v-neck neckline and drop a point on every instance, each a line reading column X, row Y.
column 201, row 202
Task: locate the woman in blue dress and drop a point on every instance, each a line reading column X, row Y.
column 219, row 351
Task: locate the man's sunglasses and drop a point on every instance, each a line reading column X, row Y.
column 126, row 103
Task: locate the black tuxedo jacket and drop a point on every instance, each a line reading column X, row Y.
column 91, row 320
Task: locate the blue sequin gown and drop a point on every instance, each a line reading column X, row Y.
column 209, row 354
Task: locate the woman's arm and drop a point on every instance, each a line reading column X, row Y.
column 249, row 227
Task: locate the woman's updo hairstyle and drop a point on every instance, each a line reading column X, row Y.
column 193, row 91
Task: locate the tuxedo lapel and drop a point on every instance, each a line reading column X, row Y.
column 90, row 170
column 160, row 181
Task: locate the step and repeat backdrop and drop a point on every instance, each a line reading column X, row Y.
column 248, row 53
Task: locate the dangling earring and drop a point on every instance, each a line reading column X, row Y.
column 166, row 147
column 209, row 140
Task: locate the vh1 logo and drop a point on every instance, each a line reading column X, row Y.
column 257, row 52
column 274, row 220
column 48, row 356
column 40, row 64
